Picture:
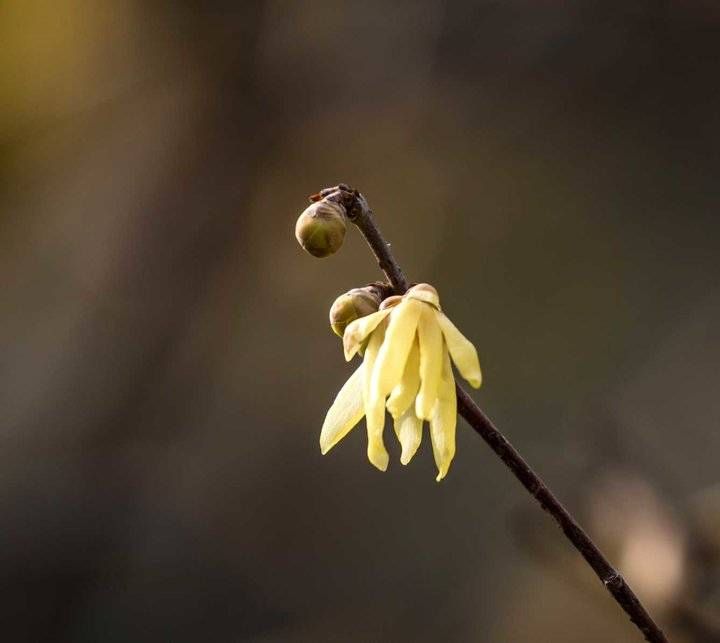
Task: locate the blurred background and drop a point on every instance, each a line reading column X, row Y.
column 166, row 359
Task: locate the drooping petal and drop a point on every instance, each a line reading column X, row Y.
column 357, row 331
column 346, row 411
column 444, row 421
column 374, row 409
column 396, row 347
column 431, row 362
column 404, row 393
column 462, row 351
column 426, row 293
column 408, row 428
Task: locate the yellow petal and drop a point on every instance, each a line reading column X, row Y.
column 374, row 409
column 431, row 362
column 358, row 330
column 444, row 421
column 408, row 428
column 426, row 293
column 396, row 347
column 346, row 411
column 462, row 351
column 404, row 393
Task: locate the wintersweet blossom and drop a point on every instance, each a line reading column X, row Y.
column 406, row 347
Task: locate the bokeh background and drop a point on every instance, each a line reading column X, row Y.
column 166, row 361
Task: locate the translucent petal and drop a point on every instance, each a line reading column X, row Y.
column 346, row 411
column 357, row 332
column 408, row 428
column 426, row 293
column 462, row 351
column 374, row 409
column 444, row 421
column 404, row 393
column 396, row 347
column 431, row 362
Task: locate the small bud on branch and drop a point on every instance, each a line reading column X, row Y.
column 355, row 303
column 320, row 229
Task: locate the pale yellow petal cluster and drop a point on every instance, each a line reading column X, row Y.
column 407, row 346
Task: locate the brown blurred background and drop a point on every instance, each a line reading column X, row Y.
column 166, row 360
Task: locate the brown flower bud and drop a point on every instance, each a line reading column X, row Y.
column 354, row 304
column 320, row 229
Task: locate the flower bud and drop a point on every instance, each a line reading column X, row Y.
column 354, row 304
column 320, row 229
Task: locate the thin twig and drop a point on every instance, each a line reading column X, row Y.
column 361, row 215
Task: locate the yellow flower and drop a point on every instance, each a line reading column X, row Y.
column 406, row 347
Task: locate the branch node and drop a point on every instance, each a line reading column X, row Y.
column 614, row 581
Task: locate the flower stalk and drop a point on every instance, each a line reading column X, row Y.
column 359, row 213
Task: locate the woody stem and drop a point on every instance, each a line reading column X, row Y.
column 360, row 214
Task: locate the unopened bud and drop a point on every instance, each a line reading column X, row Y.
column 354, row 304
column 320, row 229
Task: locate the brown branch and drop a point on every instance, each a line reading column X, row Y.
column 361, row 215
